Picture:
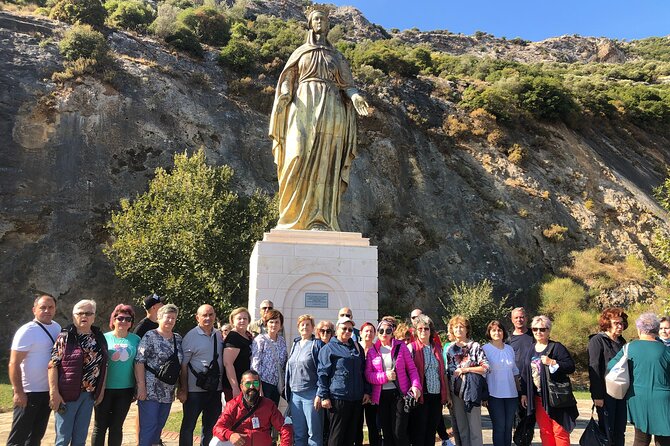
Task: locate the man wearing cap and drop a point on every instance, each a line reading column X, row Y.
column 152, row 304
column 258, row 327
column 346, row 312
column 28, row 361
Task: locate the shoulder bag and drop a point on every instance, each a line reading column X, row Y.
column 210, row 378
column 617, row 380
column 169, row 371
column 560, row 391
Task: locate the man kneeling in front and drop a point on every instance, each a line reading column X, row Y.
column 248, row 418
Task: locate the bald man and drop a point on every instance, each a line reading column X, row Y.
column 346, row 312
column 203, row 355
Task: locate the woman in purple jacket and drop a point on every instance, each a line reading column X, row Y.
column 390, row 369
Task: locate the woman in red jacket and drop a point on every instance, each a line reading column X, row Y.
column 391, row 371
column 430, row 367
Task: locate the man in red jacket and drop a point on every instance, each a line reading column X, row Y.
column 248, row 418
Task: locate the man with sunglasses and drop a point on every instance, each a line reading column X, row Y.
column 346, row 312
column 258, row 327
column 249, row 417
column 28, row 361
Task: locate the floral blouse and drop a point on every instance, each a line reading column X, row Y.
column 155, row 351
column 92, row 358
column 269, row 358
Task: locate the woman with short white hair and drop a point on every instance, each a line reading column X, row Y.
column 77, row 374
column 648, row 397
column 155, row 369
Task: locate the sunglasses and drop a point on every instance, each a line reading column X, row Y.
column 414, row 317
column 540, row 329
column 250, row 384
column 345, row 315
column 349, row 329
column 325, row 330
column 124, row 318
column 266, row 308
column 423, row 329
column 84, row 313
column 386, row 331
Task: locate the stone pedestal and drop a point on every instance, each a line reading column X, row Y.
column 314, row 272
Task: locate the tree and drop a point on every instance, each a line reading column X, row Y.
column 477, row 304
column 90, row 12
column 189, row 237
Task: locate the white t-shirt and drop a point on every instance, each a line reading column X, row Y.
column 385, row 353
column 502, row 368
column 32, row 339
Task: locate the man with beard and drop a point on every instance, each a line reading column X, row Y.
column 248, row 418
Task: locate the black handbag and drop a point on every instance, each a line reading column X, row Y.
column 169, row 371
column 593, row 435
column 560, row 390
column 210, row 378
column 525, row 429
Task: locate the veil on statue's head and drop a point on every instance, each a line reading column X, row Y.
column 309, row 13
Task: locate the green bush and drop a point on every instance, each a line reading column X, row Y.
column 207, row 23
column 189, row 237
column 183, row 39
column 276, row 37
column 239, row 54
column 477, row 304
column 389, row 56
column 90, row 12
column 165, row 23
column 129, row 14
column 83, row 42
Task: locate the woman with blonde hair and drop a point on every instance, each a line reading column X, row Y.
column 467, row 366
column 236, row 352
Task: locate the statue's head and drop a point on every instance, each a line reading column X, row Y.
column 317, row 18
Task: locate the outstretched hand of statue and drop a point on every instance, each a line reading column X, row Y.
column 284, row 96
column 361, row 106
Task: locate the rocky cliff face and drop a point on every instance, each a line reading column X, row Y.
column 441, row 210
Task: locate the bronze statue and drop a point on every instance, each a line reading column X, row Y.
column 313, row 126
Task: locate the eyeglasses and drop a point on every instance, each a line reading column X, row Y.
column 325, row 330
column 84, row 313
column 345, row 315
column 250, row 384
column 540, row 329
column 617, row 323
column 124, row 318
column 266, row 308
column 423, row 328
column 386, row 331
column 349, row 329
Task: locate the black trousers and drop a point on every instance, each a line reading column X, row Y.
column 343, row 416
column 425, row 418
column 393, row 418
column 370, row 411
column 30, row 423
column 110, row 415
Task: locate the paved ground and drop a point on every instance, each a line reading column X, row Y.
column 172, row 438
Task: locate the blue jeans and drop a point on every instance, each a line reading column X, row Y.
column 502, row 412
column 307, row 422
column 153, row 416
column 616, row 419
column 207, row 403
column 72, row 426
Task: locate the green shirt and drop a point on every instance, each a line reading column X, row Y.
column 122, row 351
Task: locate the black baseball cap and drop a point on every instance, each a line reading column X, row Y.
column 151, row 300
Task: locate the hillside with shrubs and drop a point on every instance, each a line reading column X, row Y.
column 530, row 167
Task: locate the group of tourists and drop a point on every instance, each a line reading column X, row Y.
column 394, row 377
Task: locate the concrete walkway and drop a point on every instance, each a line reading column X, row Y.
column 172, row 438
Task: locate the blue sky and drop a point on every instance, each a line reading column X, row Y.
column 529, row 19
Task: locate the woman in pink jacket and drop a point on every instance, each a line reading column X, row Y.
column 390, row 369
column 430, row 367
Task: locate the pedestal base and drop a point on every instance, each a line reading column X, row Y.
column 314, row 272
